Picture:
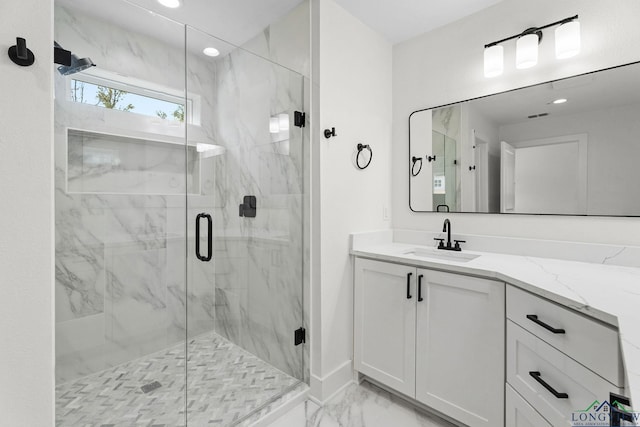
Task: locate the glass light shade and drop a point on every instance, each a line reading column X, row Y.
column 274, row 125
column 283, row 122
column 527, row 51
column 493, row 61
column 568, row 40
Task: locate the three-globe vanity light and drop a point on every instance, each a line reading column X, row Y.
column 567, row 44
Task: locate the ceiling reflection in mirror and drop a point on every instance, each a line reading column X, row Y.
column 567, row 147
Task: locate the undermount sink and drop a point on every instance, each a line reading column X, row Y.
column 441, row 254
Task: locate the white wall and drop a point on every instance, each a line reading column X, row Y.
column 445, row 66
column 421, row 125
column 558, row 190
column 26, row 218
column 613, row 153
column 355, row 98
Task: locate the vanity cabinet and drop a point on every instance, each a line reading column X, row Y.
column 436, row 337
column 558, row 361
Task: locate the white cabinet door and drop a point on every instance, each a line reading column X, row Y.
column 460, row 347
column 385, row 321
column 518, row 413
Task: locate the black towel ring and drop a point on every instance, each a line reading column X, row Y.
column 360, row 148
column 413, row 167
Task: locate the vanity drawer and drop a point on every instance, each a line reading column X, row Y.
column 518, row 413
column 588, row 341
column 529, row 357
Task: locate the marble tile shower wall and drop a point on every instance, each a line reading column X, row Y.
column 120, row 242
column 120, row 273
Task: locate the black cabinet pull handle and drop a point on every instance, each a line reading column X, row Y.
column 537, row 376
column 420, row 288
column 535, row 320
column 209, row 237
column 409, row 285
column 617, row 412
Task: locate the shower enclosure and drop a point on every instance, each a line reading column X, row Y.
column 180, row 224
column 444, row 172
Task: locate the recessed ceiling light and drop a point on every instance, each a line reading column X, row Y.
column 211, row 51
column 171, row 3
column 560, row 101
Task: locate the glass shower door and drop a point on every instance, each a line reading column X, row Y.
column 245, row 244
column 179, row 223
column 121, row 175
column 451, row 173
column 444, row 173
column 439, row 182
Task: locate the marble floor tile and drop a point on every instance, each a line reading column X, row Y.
column 363, row 405
column 224, row 384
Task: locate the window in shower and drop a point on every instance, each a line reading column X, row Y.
column 118, row 99
column 117, row 92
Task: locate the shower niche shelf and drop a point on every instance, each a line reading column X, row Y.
column 115, row 164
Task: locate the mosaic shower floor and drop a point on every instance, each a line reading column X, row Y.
column 226, row 383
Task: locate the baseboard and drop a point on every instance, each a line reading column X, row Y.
column 325, row 388
column 409, row 401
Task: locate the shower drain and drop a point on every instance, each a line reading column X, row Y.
column 148, row 388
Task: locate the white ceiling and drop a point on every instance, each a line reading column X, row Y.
column 602, row 90
column 238, row 21
column 400, row 20
column 235, row 21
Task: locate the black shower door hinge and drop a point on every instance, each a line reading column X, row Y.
column 299, row 119
column 300, row 336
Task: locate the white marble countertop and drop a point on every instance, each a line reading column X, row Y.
column 608, row 293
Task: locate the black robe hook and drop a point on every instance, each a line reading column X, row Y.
column 20, row 53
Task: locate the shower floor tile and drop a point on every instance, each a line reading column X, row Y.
column 226, row 383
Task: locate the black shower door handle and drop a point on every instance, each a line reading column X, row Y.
column 209, row 237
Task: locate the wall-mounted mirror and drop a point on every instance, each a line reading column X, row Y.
column 566, row 147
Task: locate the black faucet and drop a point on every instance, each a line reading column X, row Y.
column 447, row 227
column 448, row 247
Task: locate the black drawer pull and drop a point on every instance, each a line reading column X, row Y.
column 534, row 319
column 536, row 376
column 618, row 413
column 420, row 288
column 409, row 285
